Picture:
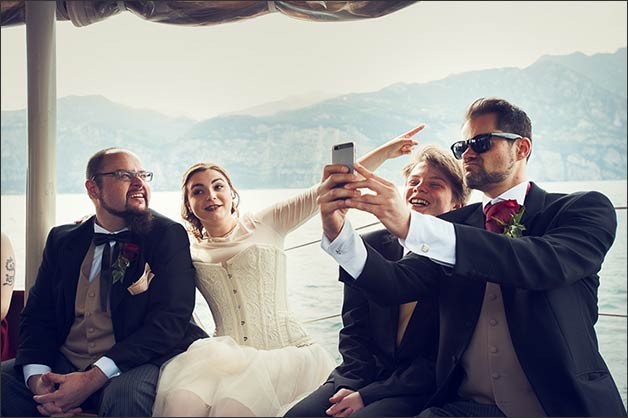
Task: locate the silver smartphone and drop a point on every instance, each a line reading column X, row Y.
column 343, row 154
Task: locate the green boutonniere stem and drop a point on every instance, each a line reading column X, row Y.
column 513, row 228
column 119, row 268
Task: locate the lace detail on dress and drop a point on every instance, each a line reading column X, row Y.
column 247, row 297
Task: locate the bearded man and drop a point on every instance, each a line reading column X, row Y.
column 112, row 301
column 515, row 277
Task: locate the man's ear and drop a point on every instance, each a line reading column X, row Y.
column 92, row 189
column 525, row 146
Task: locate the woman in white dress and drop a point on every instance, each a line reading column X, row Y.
column 260, row 360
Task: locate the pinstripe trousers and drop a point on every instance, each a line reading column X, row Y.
column 131, row 394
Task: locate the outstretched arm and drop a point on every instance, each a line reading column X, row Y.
column 396, row 147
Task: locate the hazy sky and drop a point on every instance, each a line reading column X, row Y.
column 204, row 71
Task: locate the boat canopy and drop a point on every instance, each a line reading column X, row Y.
column 205, row 13
column 40, row 18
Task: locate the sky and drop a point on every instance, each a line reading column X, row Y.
column 200, row 72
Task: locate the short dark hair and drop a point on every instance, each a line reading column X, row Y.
column 509, row 118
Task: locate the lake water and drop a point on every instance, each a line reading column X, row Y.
column 313, row 289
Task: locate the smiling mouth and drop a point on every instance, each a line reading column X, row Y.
column 137, row 195
column 212, row 208
column 419, row 202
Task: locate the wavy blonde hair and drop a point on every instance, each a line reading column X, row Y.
column 194, row 224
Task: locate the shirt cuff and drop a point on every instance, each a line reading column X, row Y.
column 33, row 369
column 431, row 237
column 108, row 367
column 347, row 249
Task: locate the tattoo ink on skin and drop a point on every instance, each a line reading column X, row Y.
column 10, row 276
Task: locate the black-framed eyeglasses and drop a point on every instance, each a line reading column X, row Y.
column 127, row 175
column 480, row 143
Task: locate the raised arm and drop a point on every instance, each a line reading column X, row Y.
column 289, row 214
column 396, row 147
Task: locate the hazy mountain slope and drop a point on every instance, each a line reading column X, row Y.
column 578, row 115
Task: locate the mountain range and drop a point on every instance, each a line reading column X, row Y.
column 577, row 104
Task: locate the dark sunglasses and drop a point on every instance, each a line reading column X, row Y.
column 480, row 143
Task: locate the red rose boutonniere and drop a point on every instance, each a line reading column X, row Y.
column 505, row 217
column 128, row 253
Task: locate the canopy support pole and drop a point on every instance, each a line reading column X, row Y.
column 42, row 125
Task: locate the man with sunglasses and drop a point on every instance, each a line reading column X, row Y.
column 517, row 310
column 112, row 301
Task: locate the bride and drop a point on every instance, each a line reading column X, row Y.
column 260, row 360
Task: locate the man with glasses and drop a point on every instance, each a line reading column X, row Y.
column 112, row 301
column 516, row 287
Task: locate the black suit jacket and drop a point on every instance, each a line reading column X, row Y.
column 372, row 362
column 549, row 283
column 149, row 327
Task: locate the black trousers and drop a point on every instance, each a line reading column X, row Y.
column 315, row 405
column 463, row 408
column 131, row 394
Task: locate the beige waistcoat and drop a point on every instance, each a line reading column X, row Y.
column 493, row 372
column 91, row 334
column 405, row 313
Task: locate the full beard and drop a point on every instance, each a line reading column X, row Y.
column 138, row 221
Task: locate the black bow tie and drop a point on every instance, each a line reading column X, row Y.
column 124, row 236
column 105, row 270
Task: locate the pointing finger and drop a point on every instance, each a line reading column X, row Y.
column 413, row 131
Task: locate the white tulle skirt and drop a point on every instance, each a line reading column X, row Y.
column 221, row 376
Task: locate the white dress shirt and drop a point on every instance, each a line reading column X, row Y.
column 428, row 236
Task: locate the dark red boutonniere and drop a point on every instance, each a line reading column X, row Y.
column 508, row 214
column 128, row 253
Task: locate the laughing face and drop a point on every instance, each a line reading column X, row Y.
column 428, row 191
column 210, row 199
column 116, row 197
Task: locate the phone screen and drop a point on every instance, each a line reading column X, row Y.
column 343, row 154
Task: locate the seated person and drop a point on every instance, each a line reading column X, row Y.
column 388, row 370
column 261, row 360
column 514, row 273
column 111, row 302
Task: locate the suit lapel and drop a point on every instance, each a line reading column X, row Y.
column 476, row 218
column 470, row 290
column 76, row 249
column 119, row 290
column 534, row 203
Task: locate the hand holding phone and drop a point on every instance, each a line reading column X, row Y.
column 344, row 154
